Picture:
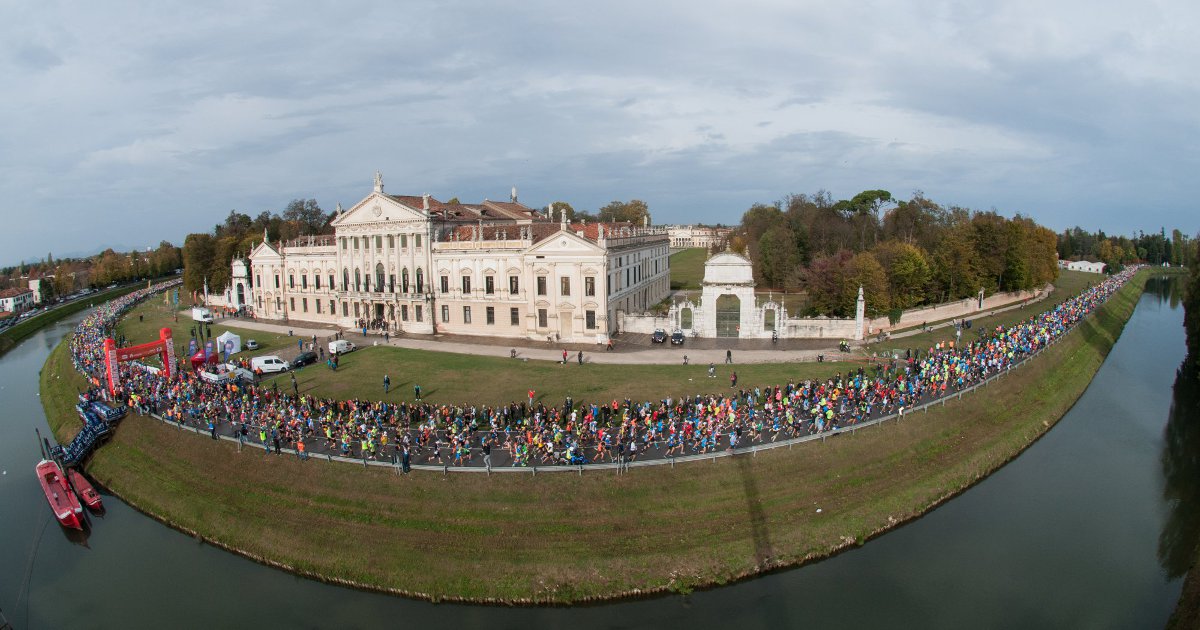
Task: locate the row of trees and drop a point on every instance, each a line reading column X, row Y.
column 208, row 256
column 632, row 211
column 902, row 253
column 68, row 275
column 1116, row 251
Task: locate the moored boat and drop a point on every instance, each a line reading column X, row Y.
column 62, row 499
column 84, row 489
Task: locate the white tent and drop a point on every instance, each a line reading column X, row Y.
column 230, row 341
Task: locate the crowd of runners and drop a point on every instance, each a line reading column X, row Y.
column 527, row 433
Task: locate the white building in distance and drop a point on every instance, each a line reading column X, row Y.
column 421, row 265
column 685, row 236
column 1082, row 265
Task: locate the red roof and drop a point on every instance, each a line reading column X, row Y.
column 7, row 293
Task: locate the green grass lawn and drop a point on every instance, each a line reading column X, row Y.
column 154, row 314
column 458, row 378
column 687, row 268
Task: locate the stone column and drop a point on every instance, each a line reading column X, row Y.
column 860, row 311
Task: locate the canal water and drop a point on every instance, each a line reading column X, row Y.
column 1092, row 527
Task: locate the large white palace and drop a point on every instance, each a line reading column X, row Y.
column 425, row 266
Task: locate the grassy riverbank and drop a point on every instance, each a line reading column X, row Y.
column 569, row 538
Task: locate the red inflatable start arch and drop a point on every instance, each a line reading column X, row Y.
column 114, row 355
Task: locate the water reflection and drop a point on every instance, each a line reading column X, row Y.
column 1166, row 289
column 1181, row 472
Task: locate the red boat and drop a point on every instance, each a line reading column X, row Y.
column 62, row 500
column 84, row 489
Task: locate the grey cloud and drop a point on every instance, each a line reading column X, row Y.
column 36, row 57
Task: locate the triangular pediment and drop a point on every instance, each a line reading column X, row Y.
column 263, row 251
column 564, row 242
column 378, row 207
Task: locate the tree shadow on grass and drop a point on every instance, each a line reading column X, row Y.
column 759, row 533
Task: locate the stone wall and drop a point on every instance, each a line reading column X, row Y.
column 956, row 309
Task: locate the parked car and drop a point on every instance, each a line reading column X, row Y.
column 269, row 364
column 341, row 346
column 303, row 359
column 677, row 338
column 659, row 336
column 252, row 345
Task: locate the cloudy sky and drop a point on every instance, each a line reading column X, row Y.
column 128, row 123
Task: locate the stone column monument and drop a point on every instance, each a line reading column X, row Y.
column 860, row 311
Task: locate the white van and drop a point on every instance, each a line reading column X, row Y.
column 341, row 346
column 269, row 364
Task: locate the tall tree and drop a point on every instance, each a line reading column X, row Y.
column 199, row 257
column 634, row 211
column 866, row 272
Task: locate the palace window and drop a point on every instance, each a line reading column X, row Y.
column 304, row 282
column 445, row 284
column 304, row 304
column 542, row 320
column 404, row 312
column 379, row 242
column 466, row 314
column 514, row 285
column 491, row 315
column 417, row 241
column 589, row 286
column 590, row 318
column 489, row 285
column 357, row 279
column 345, row 309
column 514, row 316
column 466, row 285
column 404, row 280
column 345, row 280
column 403, row 241
column 292, row 304
column 391, row 242
column 541, row 285
column 420, row 313
column 564, row 286
column 420, row 284
column 445, row 314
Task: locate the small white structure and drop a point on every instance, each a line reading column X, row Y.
column 229, row 343
column 728, row 308
column 1082, row 265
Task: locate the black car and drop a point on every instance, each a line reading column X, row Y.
column 303, row 359
column 677, row 338
column 659, row 336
